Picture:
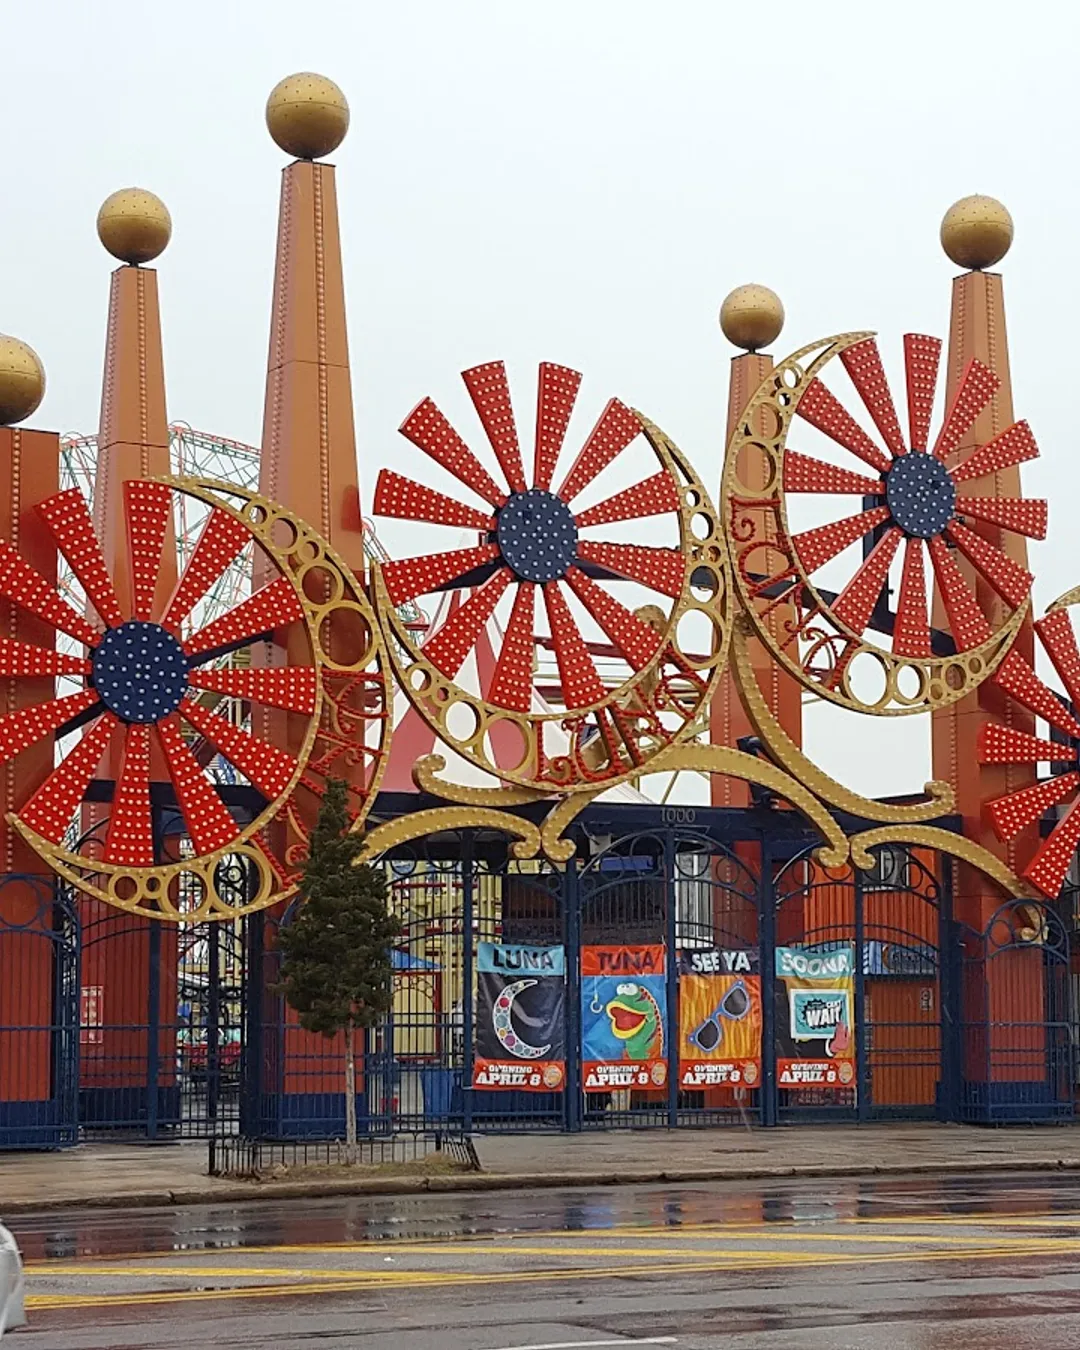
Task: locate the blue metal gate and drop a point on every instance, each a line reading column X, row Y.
column 1017, row 1017
column 112, row 1022
column 39, row 1013
column 892, row 919
column 680, row 889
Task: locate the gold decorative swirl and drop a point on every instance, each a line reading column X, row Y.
column 425, row 769
column 788, row 755
column 723, row 759
column 403, row 829
column 929, row 836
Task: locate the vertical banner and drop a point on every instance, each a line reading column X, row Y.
column 520, row 1018
column 623, row 1019
column 719, row 1019
column 815, row 1012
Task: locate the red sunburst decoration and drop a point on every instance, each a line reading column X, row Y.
column 1016, row 811
column 530, row 538
column 141, row 680
column 921, row 502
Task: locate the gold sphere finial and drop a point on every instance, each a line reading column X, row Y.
column 976, row 232
column 134, row 225
column 307, row 115
column 22, row 381
column 752, row 317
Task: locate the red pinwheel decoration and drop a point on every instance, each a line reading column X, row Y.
column 1016, row 811
column 148, row 691
column 534, row 545
column 916, row 506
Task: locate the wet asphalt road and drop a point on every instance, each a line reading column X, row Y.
column 987, row 1262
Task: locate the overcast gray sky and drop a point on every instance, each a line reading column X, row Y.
column 574, row 180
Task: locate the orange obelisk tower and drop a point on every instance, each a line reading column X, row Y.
column 309, row 461
column 29, row 472
column 133, row 442
column 133, row 432
column 309, row 443
column 751, row 317
column 976, row 234
column 1000, row 1055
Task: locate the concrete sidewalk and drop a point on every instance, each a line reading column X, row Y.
column 126, row 1174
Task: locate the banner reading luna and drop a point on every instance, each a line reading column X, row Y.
column 815, row 1010
column 719, row 1019
column 520, row 1018
column 623, row 1018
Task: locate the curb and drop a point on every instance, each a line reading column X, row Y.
column 230, row 1193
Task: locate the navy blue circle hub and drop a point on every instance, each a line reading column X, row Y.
column 140, row 671
column 537, row 535
column 920, row 494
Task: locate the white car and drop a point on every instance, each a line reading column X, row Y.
column 12, row 1285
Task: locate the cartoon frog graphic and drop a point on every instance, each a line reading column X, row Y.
column 635, row 1020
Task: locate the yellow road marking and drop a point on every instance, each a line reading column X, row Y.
column 570, row 1244
column 569, row 1250
column 406, row 1279
column 976, row 1221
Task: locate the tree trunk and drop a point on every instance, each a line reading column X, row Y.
column 350, row 1098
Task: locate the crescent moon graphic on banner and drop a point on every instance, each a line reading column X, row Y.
column 504, row 1027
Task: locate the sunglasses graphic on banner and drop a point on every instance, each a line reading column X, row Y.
column 733, row 1007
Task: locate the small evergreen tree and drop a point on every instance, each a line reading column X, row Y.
column 336, row 969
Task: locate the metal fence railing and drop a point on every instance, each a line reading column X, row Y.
column 236, row 1156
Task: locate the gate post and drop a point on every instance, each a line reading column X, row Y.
column 672, row 980
column 67, row 996
column 949, row 956
column 572, row 935
column 862, row 1066
column 767, row 967
column 213, row 1019
column 153, row 1030
column 252, row 1014
column 467, row 980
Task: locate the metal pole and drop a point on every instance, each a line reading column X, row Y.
column 153, row 999
column 572, row 937
column 862, row 1065
column 213, row 1016
column 252, row 1052
column 153, row 1030
column 767, row 967
column 949, row 998
column 467, row 1053
column 671, row 1044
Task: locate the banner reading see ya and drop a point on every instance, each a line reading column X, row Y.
column 815, row 1017
column 520, row 1018
column 719, row 1019
column 623, row 1018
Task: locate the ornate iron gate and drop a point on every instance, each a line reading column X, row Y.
column 892, row 919
column 112, row 1022
column 162, row 1025
column 682, row 890
column 39, row 1014
column 1018, row 1024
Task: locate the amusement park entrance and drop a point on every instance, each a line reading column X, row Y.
column 663, row 977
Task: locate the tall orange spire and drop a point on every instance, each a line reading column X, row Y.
column 976, row 234
column 29, row 473
column 751, row 317
column 309, row 443
column 133, row 433
column 133, row 442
